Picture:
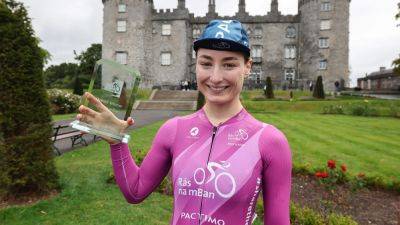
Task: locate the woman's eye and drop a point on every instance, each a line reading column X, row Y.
column 229, row 65
column 205, row 64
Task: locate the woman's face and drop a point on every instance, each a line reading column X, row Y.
column 220, row 74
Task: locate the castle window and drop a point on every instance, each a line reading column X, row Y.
column 166, row 29
column 325, row 24
column 256, row 53
column 121, row 26
column 290, row 52
column 193, row 54
column 121, row 57
column 326, row 6
column 323, row 43
column 255, row 74
column 290, row 32
column 323, row 64
column 196, row 33
column 258, row 32
column 289, row 74
column 166, row 58
column 121, row 8
column 248, row 31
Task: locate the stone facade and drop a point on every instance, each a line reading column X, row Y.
column 292, row 49
column 382, row 80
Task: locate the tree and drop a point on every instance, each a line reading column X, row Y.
column 78, row 89
column 61, row 76
column 87, row 59
column 26, row 158
column 396, row 62
column 269, row 89
column 319, row 89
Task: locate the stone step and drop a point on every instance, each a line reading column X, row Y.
column 171, row 95
column 171, row 105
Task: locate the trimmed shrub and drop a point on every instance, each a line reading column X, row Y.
column 319, row 89
column 200, row 100
column 269, row 90
column 78, row 89
column 63, row 102
column 27, row 166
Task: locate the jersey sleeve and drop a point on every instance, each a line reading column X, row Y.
column 136, row 183
column 276, row 181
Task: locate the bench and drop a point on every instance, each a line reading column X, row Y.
column 61, row 132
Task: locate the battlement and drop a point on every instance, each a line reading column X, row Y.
column 175, row 14
column 269, row 18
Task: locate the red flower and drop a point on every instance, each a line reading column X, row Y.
column 361, row 175
column 343, row 167
column 332, row 164
column 321, row 174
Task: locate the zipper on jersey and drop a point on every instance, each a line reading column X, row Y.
column 214, row 131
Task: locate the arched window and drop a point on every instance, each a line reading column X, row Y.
column 290, row 32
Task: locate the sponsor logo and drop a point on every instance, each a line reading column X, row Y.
column 237, row 137
column 221, row 45
column 194, row 131
column 204, row 217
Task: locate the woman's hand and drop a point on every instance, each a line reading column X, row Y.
column 103, row 119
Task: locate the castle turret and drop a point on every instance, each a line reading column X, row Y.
column 323, row 43
column 181, row 4
column 242, row 6
column 211, row 9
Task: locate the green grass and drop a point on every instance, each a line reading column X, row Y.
column 87, row 198
column 59, row 117
column 368, row 145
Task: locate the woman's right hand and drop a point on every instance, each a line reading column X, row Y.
column 103, row 118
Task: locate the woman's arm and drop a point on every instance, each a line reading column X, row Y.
column 277, row 174
column 135, row 182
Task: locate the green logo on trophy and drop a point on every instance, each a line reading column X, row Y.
column 115, row 85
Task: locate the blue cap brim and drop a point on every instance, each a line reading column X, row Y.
column 221, row 45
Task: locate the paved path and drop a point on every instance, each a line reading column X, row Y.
column 141, row 117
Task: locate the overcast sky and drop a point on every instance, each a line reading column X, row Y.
column 67, row 25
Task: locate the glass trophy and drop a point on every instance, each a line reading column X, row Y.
column 115, row 85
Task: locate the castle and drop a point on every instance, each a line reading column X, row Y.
column 292, row 49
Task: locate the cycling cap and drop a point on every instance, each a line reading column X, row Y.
column 224, row 35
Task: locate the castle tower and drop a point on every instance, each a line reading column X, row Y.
column 181, row 4
column 324, row 41
column 211, row 9
column 274, row 6
column 126, row 30
column 242, row 6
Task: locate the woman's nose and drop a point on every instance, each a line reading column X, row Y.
column 216, row 75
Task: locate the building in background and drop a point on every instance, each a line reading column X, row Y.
column 382, row 80
column 292, row 49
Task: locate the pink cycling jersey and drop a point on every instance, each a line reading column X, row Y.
column 217, row 171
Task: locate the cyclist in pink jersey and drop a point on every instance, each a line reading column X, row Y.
column 220, row 157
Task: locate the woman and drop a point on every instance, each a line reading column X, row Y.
column 220, row 156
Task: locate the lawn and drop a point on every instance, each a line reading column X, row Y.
column 87, row 198
column 365, row 144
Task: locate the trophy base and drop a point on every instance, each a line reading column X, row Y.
column 87, row 128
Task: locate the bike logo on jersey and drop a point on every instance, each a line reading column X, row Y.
column 194, row 131
column 238, row 135
column 200, row 177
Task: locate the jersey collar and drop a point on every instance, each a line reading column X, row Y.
column 237, row 117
